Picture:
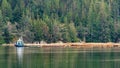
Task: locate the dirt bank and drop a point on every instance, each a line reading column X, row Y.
column 84, row 45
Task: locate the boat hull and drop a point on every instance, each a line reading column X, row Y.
column 19, row 45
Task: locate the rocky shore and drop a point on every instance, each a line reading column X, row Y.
column 78, row 45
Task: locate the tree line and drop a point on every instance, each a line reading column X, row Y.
column 60, row 20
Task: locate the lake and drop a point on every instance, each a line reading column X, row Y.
column 54, row 57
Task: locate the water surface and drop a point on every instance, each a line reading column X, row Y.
column 28, row 57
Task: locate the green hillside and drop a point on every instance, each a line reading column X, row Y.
column 60, row 20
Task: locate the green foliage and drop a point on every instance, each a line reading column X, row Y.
column 1, row 20
column 40, row 30
column 72, row 33
column 17, row 14
column 61, row 20
column 6, row 10
column 6, row 35
column 1, row 40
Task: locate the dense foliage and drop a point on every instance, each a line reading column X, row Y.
column 60, row 20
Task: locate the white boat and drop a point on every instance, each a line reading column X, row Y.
column 19, row 43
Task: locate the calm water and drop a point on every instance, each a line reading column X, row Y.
column 12, row 57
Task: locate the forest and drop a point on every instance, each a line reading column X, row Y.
column 60, row 20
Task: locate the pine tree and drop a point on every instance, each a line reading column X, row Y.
column 73, row 33
column 104, row 22
column 6, row 35
column 17, row 14
column 1, row 28
column 6, row 10
column 1, row 19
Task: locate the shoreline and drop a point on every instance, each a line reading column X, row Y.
column 79, row 45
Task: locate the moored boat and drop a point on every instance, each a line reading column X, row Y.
column 19, row 43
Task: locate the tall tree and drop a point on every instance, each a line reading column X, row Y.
column 73, row 33
column 104, row 22
column 1, row 28
column 7, row 36
column 6, row 10
column 17, row 14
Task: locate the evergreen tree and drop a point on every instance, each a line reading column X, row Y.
column 65, row 20
column 73, row 33
column 7, row 36
column 17, row 14
column 104, row 23
column 1, row 28
column 1, row 20
column 6, row 10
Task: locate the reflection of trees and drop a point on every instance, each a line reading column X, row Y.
column 5, row 56
column 60, row 58
column 8, row 56
column 71, row 58
column 96, row 59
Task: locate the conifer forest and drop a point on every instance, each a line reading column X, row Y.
column 60, row 20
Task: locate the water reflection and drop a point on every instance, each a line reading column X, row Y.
column 20, row 51
column 12, row 57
